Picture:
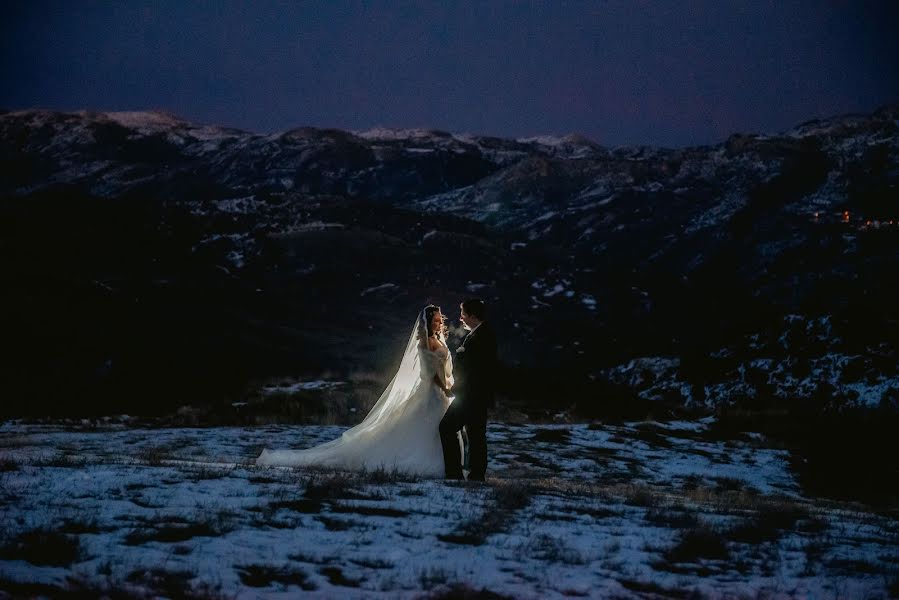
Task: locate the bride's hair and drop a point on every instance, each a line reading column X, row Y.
column 430, row 311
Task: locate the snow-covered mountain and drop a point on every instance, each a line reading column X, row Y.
column 636, row 273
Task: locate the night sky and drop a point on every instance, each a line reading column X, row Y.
column 628, row 72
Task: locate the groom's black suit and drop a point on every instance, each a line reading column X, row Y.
column 474, row 371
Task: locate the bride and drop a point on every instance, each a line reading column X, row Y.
column 401, row 431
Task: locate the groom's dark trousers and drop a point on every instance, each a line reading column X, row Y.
column 475, row 425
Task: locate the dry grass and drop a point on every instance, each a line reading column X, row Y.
column 336, row 577
column 153, row 455
column 376, row 511
column 332, row 524
column 171, row 584
column 372, row 563
column 324, row 486
column 44, row 547
column 649, row 589
column 699, row 551
column 500, row 506
column 81, row 525
column 463, row 591
column 300, row 505
column 671, row 518
column 381, row 476
column 61, row 460
column 432, row 577
column 258, row 576
column 172, row 529
column 313, row 560
column 205, row 472
column 16, row 441
column 552, row 549
column 552, row 436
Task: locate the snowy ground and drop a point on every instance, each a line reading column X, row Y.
column 642, row 510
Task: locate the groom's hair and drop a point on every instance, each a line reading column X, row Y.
column 476, row 308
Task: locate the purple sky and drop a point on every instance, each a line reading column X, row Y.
column 619, row 72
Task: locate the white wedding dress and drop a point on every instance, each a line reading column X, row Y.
column 401, row 430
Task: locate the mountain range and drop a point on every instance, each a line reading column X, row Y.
column 151, row 263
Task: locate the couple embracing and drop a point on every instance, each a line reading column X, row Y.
column 415, row 424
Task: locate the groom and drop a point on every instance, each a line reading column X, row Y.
column 473, row 371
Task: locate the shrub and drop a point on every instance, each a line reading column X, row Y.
column 265, row 575
column 700, row 542
column 44, row 547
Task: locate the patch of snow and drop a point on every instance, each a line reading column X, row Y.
column 717, row 214
column 236, row 258
column 146, row 120
column 871, row 394
column 244, row 205
column 557, row 289
column 316, row 385
column 389, row 134
column 653, row 187
column 314, row 226
column 378, row 288
column 538, row 303
column 585, row 519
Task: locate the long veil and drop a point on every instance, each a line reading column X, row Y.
column 401, row 388
column 395, row 403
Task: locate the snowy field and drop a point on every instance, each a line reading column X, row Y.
column 641, row 510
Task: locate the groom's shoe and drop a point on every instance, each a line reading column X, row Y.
column 473, row 476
